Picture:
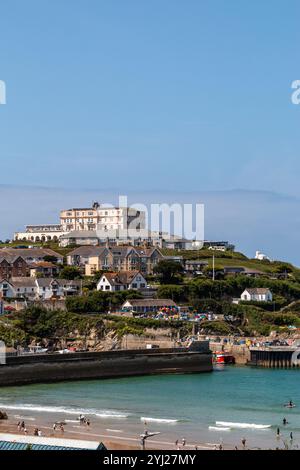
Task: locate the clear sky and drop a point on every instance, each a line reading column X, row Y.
column 176, row 95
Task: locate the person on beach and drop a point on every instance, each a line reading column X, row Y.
column 88, row 423
column 54, row 427
column 25, row 431
column 284, row 421
column 177, row 444
column 183, row 442
column 291, row 436
column 244, row 443
column 19, row 426
column 36, row 432
column 40, row 433
column 62, row 428
column 278, row 433
column 142, row 442
column 23, row 425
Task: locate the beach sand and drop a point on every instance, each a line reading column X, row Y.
column 113, row 439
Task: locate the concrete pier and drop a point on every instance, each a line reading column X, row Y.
column 21, row 370
column 283, row 357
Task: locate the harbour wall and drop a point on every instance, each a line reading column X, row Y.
column 22, row 370
column 273, row 357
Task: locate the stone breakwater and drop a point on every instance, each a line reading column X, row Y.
column 22, row 370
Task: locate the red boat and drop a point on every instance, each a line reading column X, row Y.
column 221, row 357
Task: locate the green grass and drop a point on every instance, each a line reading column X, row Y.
column 230, row 258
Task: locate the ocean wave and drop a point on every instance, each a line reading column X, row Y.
column 110, row 414
column 218, row 428
column 242, row 425
column 65, row 410
column 159, row 420
column 28, row 418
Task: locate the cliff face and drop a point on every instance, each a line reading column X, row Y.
column 110, row 340
column 58, row 330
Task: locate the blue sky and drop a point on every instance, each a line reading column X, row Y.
column 153, row 95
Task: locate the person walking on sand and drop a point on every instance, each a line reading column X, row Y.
column 54, row 427
column 278, row 433
column 142, row 442
column 291, row 436
column 19, row 426
column 183, row 442
column 244, row 443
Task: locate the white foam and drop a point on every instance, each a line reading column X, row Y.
column 242, row 425
column 159, row 420
column 28, row 418
column 111, row 415
column 65, row 410
column 216, row 428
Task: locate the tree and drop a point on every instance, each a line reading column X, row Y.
column 176, row 293
column 70, row 273
column 169, row 272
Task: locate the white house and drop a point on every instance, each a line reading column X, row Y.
column 257, row 294
column 261, row 256
column 122, row 280
column 47, row 288
column 38, row 288
column 17, row 287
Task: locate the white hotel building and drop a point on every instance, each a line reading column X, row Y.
column 96, row 218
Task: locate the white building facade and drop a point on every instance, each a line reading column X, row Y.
column 257, row 295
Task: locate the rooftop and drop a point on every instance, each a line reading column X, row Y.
column 17, row 442
column 151, row 303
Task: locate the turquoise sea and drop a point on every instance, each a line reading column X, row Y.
column 226, row 405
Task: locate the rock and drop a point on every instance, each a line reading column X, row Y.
column 3, row 415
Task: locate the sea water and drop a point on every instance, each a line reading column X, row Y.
column 225, row 406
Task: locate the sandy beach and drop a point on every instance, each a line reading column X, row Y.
column 113, row 439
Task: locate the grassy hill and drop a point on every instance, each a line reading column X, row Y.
column 232, row 258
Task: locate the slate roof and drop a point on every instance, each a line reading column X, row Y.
column 121, row 278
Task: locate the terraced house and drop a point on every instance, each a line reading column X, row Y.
column 18, row 262
column 115, row 258
column 11, row 265
column 38, row 288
